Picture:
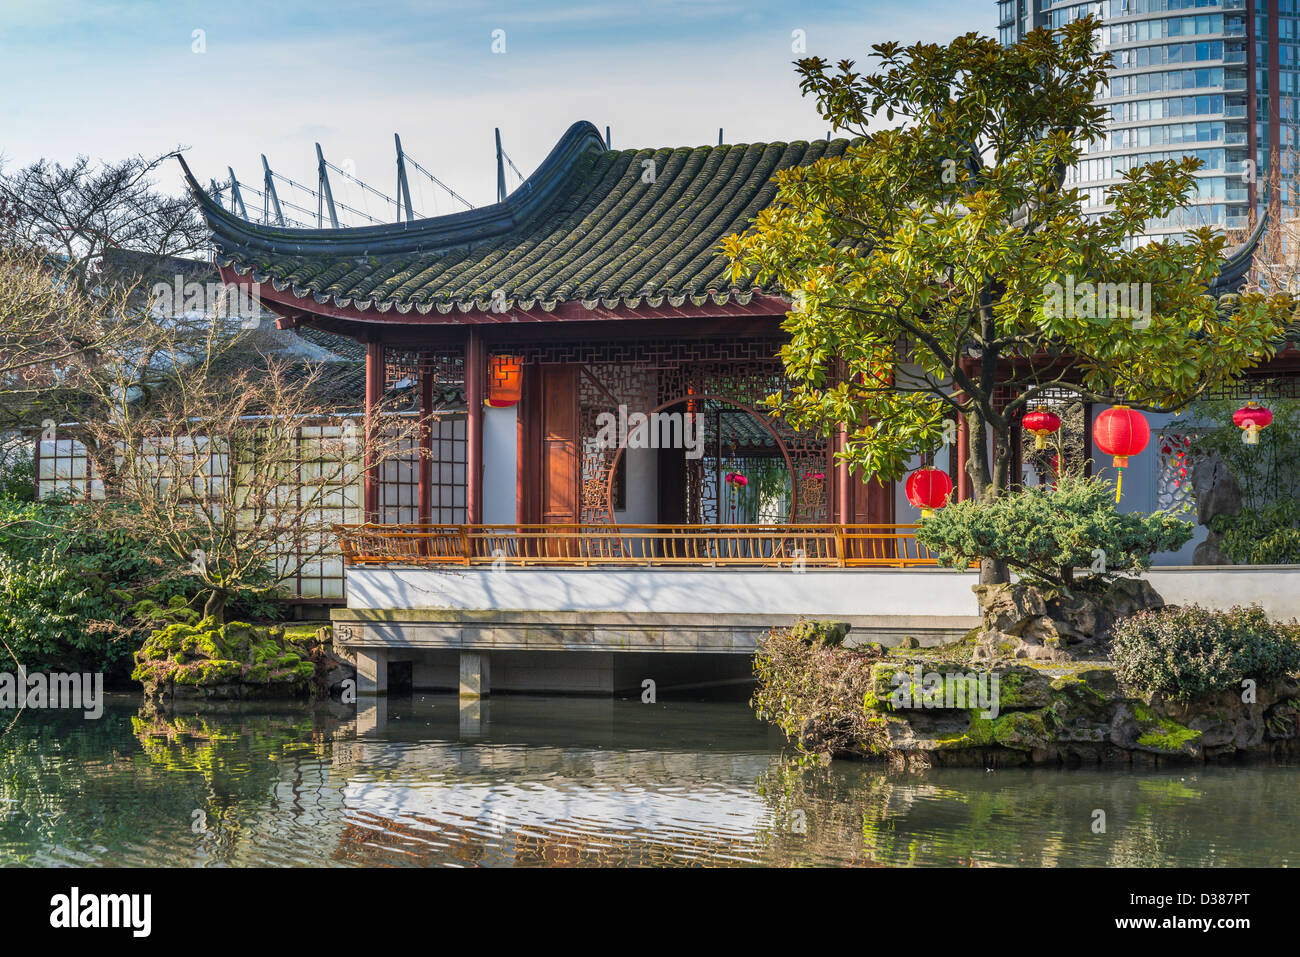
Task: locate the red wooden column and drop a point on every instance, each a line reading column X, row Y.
column 840, row 509
column 475, row 371
column 528, row 449
column 425, row 489
column 374, row 393
column 843, row 488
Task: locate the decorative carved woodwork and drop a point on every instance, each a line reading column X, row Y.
column 646, row 376
column 642, row 375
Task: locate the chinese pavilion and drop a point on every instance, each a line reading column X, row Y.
column 597, row 284
column 596, row 290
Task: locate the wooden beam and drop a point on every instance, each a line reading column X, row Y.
column 528, row 448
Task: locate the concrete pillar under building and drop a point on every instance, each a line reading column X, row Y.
column 475, row 674
column 372, row 671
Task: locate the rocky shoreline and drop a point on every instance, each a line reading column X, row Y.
column 1067, row 716
column 1030, row 687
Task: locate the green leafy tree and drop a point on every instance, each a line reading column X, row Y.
column 940, row 267
column 1046, row 533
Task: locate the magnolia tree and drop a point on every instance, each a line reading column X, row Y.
column 229, row 461
column 942, row 269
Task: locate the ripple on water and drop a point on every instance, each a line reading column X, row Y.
column 700, row 785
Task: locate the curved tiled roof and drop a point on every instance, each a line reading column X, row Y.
column 611, row 228
column 602, row 227
column 1232, row 274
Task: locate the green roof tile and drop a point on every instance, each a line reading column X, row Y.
column 585, row 226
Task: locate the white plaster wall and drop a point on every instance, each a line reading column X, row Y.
column 1275, row 587
column 815, row 592
column 905, row 513
column 1139, row 492
column 940, row 593
column 642, row 488
column 500, row 444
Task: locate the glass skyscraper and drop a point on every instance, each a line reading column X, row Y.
column 1216, row 79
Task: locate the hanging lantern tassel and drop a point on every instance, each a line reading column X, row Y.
column 1121, row 463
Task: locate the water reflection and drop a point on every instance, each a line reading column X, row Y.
column 517, row 781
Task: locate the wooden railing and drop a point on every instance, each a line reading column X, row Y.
column 778, row 546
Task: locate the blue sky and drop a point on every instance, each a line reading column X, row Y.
column 109, row 79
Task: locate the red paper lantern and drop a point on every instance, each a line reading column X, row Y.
column 1040, row 424
column 928, row 489
column 1121, row 432
column 736, row 480
column 1250, row 419
column 505, row 381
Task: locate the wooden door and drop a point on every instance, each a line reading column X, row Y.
column 561, row 461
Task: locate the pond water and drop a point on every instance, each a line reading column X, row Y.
column 526, row 781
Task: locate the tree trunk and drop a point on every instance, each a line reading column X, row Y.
column 215, row 607
column 987, row 484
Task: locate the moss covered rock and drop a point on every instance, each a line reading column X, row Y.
column 821, row 632
column 839, row 702
column 234, row 660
